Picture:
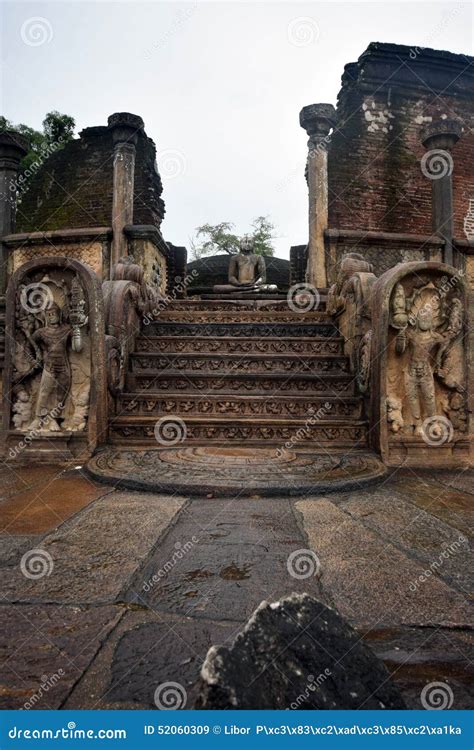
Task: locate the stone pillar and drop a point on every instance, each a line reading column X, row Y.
column 125, row 128
column 317, row 120
column 13, row 148
column 437, row 165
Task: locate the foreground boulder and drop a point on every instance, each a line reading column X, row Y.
column 296, row 654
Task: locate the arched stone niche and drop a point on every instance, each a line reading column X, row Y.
column 420, row 379
column 55, row 380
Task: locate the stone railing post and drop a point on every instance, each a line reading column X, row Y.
column 125, row 128
column 437, row 165
column 13, row 148
column 317, row 120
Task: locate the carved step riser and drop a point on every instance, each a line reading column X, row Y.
column 272, row 330
column 204, row 305
column 180, row 345
column 239, row 316
column 241, row 384
column 292, row 436
column 226, row 407
column 151, row 365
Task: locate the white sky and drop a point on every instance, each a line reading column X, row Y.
column 219, row 86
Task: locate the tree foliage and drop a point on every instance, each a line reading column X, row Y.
column 212, row 239
column 58, row 129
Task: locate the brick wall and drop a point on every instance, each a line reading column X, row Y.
column 73, row 188
column 375, row 180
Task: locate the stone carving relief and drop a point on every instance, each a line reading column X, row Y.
column 419, row 393
column 54, row 382
column 52, row 355
column 349, row 300
column 426, row 375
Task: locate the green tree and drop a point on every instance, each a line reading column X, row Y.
column 212, row 239
column 58, row 129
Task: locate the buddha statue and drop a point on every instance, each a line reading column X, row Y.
column 247, row 272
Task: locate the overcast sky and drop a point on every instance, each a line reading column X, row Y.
column 219, row 86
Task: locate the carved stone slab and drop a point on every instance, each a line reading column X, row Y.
column 421, row 378
column 55, row 396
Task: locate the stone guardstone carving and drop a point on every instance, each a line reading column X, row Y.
column 55, row 372
column 420, row 356
column 247, row 272
column 349, row 301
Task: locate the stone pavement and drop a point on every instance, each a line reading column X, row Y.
column 107, row 594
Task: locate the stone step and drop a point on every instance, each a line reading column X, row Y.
column 150, row 364
column 228, row 407
column 239, row 345
column 294, row 433
column 206, row 302
column 240, row 316
column 240, row 383
column 245, row 330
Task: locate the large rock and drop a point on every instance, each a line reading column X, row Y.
column 296, row 654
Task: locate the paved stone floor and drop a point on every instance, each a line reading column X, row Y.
column 108, row 593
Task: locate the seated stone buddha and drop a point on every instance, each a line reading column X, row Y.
column 247, row 272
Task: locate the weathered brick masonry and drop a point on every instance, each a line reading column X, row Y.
column 387, row 96
column 74, row 187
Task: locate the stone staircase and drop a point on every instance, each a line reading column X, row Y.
column 243, row 372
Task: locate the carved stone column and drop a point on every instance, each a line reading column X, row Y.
column 125, row 128
column 437, row 165
column 317, row 120
column 13, row 148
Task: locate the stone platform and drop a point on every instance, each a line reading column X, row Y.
column 208, row 470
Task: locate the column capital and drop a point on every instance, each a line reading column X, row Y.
column 13, row 147
column 125, row 127
column 317, row 120
column 441, row 134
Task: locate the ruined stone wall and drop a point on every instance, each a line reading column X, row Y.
column 375, row 180
column 73, row 188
